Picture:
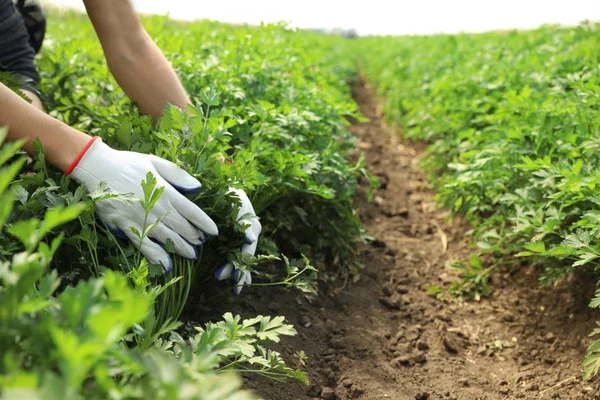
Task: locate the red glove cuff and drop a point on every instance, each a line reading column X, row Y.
column 80, row 155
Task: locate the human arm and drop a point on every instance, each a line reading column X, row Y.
column 145, row 75
column 90, row 162
column 62, row 143
column 136, row 62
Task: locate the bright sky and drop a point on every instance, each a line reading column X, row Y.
column 380, row 16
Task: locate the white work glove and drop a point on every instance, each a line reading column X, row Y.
column 247, row 216
column 123, row 171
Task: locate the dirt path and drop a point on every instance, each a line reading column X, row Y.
column 384, row 338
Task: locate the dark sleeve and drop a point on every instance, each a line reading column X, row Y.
column 35, row 21
column 16, row 52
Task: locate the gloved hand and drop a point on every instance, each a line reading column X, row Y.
column 123, row 171
column 247, row 216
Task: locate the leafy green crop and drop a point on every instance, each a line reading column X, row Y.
column 90, row 340
column 82, row 314
column 513, row 120
column 273, row 104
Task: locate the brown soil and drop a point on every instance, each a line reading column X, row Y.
column 384, row 338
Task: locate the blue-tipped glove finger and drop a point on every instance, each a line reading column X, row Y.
column 246, row 216
column 177, row 218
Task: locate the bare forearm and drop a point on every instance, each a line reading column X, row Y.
column 135, row 61
column 148, row 79
column 25, row 122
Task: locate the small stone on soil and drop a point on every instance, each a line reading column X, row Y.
column 314, row 391
column 305, row 321
column 422, row 345
column 403, row 212
column 509, row 318
column 443, row 317
column 393, row 303
column 422, row 396
column 379, row 244
column 356, row 392
column 450, row 345
column 403, row 281
column 328, row 393
column 412, row 334
column 523, row 362
column 403, row 348
column 523, row 376
column 420, row 358
column 387, row 289
column 405, row 360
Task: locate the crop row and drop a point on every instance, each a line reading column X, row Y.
column 82, row 315
column 513, row 121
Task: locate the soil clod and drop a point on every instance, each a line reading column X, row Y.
column 328, row 393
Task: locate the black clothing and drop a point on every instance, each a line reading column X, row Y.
column 22, row 30
column 35, row 21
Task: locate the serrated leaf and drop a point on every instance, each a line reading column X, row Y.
column 7, row 174
column 60, row 215
column 26, row 232
column 595, row 303
column 581, row 238
column 585, row 258
column 537, row 247
column 6, row 204
column 591, row 363
column 272, row 328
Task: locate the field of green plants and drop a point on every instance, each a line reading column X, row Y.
column 82, row 314
column 512, row 119
column 513, row 123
